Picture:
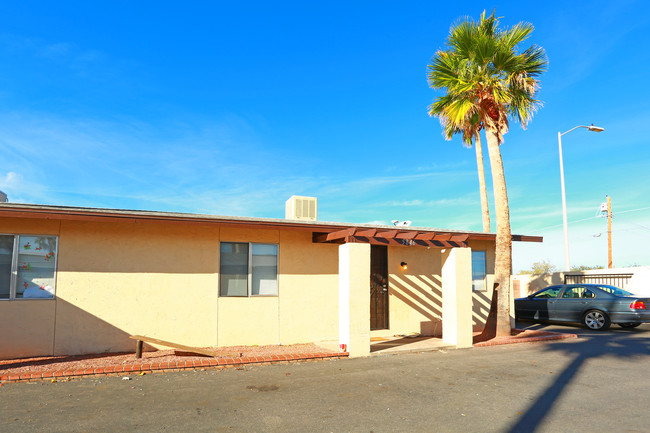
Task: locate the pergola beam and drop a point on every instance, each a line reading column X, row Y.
column 386, row 234
column 407, row 235
column 397, row 242
column 407, row 238
column 402, row 238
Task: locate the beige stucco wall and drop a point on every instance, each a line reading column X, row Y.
column 246, row 321
column 27, row 328
column 414, row 294
column 117, row 279
column 354, row 298
column 457, row 297
column 306, row 309
column 309, row 290
column 121, row 279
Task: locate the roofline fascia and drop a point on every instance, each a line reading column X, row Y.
column 119, row 215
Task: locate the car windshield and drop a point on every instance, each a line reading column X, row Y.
column 615, row 291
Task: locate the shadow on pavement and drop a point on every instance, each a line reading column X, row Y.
column 620, row 343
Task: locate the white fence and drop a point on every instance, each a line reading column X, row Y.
column 635, row 280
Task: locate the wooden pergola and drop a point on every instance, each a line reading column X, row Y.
column 396, row 237
column 408, row 238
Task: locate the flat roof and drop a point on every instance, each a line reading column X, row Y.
column 20, row 210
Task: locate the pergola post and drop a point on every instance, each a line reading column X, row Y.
column 457, row 297
column 354, row 298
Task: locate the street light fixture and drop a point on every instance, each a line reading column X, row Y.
column 567, row 264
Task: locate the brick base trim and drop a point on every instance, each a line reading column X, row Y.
column 120, row 370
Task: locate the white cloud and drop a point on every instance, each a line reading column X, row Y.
column 460, row 201
column 10, row 180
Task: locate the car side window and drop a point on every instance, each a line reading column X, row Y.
column 615, row 291
column 577, row 292
column 573, row 292
column 548, row 293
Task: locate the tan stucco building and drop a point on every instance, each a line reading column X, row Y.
column 80, row 280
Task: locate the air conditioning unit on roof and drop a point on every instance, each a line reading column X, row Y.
column 301, row 208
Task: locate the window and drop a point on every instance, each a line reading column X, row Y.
column 548, row 293
column 27, row 266
column 615, row 291
column 248, row 269
column 479, row 270
column 578, row 292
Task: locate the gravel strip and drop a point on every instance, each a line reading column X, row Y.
column 52, row 363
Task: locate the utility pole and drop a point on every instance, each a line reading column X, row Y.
column 609, row 232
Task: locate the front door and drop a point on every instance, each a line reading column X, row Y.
column 378, row 287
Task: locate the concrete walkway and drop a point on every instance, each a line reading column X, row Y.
column 381, row 346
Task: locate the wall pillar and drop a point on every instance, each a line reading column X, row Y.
column 457, row 297
column 354, row 298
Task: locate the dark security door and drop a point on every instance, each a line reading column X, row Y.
column 378, row 287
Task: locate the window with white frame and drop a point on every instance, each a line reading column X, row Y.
column 248, row 269
column 27, row 266
column 479, row 271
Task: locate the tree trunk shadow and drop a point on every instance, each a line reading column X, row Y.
column 490, row 329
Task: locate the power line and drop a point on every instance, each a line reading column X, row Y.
column 570, row 222
column 596, row 217
column 636, row 224
column 633, row 210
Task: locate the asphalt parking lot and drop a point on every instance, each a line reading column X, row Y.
column 597, row 382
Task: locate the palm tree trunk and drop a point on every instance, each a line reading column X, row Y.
column 485, row 210
column 503, row 259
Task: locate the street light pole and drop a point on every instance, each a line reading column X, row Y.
column 610, row 265
column 567, row 263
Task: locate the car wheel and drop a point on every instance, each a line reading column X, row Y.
column 596, row 320
column 628, row 325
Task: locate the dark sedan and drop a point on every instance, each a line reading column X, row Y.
column 596, row 306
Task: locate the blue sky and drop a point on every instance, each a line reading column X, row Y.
column 229, row 108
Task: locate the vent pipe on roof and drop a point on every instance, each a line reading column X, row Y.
column 301, row 208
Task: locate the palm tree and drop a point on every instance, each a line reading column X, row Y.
column 485, row 75
column 471, row 132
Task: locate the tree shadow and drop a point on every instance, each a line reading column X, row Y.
column 618, row 343
column 480, row 308
column 490, row 329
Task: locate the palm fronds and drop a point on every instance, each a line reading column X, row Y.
column 482, row 73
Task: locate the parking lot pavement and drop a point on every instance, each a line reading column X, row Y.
column 582, row 331
column 597, row 382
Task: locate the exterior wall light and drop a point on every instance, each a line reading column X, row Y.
column 404, row 265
